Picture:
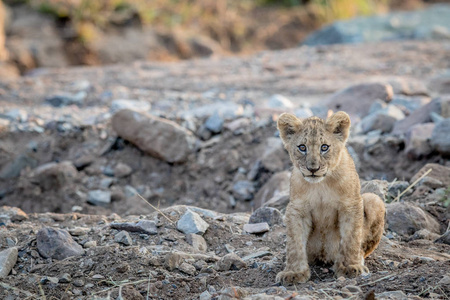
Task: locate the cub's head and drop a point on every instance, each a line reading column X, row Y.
column 314, row 145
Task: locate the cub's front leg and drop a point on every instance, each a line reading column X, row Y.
column 298, row 228
column 350, row 256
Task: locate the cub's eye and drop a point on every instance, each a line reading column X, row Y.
column 302, row 148
column 324, row 148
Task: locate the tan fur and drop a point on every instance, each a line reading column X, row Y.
column 327, row 218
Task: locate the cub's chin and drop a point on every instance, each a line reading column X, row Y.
column 315, row 179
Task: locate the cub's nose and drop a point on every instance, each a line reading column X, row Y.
column 313, row 170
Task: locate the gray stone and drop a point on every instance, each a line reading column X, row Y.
column 409, row 104
column 65, row 99
column 142, row 226
column 230, row 261
column 383, row 119
column 303, row 113
column 418, row 140
column 191, row 222
column 197, row 242
column 405, row 219
column 13, row 214
column 396, row 188
column 440, row 84
column 243, row 190
column 17, row 114
column 227, row 110
column 271, row 216
column 431, row 182
column 158, row 137
column 376, row 106
column 53, row 176
column 356, row 99
column 57, row 244
column 439, row 172
column 394, row 295
column 278, row 184
column 257, row 227
column 419, row 24
column 279, row 101
column 136, row 105
column 440, row 138
column 65, row 278
column 8, row 259
column 187, row 268
column 99, row 197
column 123, row 237
column 122, row 170
column 424, row 234
column 214, row 123
column 205, row 296
column 130, row 191
column 320, row 110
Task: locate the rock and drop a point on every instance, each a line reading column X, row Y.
column 378, row 187
column 197, row 242
column 303, row 113
column 394, row 295
column 230, row 262
column 419, row 24
column 243, row 190
column 279, row 201
column 256, row 227
column 383, row 119
column 54, row 176
column 356, row 99
column 445, row 107
column 122, row 170
column 409, row 104
column 440, row 138
column 353, row 289
column 65, row 99
column 279, row 101
column 397, row 187
column 142, row 226
column 13, row 214
column 90, row 244
column 57, row 244
column 238, row 126
column 205, row 296
column 431, row 183
column 272, row 297
column 191, row 222
column 16, row 114
column 135, row 105
column 123, row 237
column 8, row 259
column 419, row 116
column 271, row 216
column 277, row 185
column 424, row 234
column 65, row 278
column 214, row 123
column 444, row 239
column 160, row 138
column 99, row 197
column 406, row 218
column 272, row 158
column 78, row 231
column 187, row 268
column 418, row 140
column 227, row 110
column 439, row 172
column 444, row 280
column 440, row 84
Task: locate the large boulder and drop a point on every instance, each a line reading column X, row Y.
column 406, row 218
column 439, row 172
column 357, row 99
column 158, row 137
column 418, row 140
column 419, row 116
column 278, row 184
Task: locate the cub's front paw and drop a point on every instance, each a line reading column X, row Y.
column 351, row 270
column 292, row 277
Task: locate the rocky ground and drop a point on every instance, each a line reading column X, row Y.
column 197, row 140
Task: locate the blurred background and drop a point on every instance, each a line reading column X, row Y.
column 60, row 33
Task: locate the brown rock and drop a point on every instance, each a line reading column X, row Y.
column 57, row 244
column 230, row 261
column 356, row 99
column 158, row 137
column 406, row 218
column 439, row 172
column 13, row 213
column 419, row 116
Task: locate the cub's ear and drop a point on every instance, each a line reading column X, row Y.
column 339, row 125
column 288, row 125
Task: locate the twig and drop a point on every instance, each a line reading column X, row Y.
column 411, row 185
column 379, row 279
column 118, row 285
column 155, row 208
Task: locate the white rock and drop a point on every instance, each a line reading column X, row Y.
column 191, row 222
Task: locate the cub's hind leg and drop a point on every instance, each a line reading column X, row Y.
column 374, row 212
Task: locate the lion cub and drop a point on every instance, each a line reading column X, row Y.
column 327, row 218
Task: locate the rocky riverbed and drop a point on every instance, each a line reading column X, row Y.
column 169, row 180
